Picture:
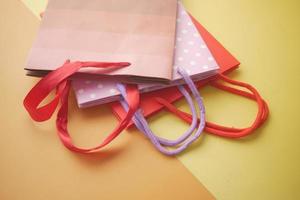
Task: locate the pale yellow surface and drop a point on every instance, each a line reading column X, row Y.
column 264, row 36
column 36, row 6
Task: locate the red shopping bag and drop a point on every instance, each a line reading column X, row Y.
column 153, row 102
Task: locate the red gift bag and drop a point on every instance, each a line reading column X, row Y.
column 153, row 102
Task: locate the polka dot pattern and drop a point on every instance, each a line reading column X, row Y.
column 190, row 53
column 92, row 96
column 113, row 91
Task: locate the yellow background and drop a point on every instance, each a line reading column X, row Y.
column 264, row 36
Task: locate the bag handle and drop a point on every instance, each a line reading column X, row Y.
column 164, row 141
column 62, row 120
column 183, row 141
column 224, row 131
column 47, row 84
column 58, row 79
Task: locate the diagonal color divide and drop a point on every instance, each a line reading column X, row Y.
column 265, row 35
column 35, row 6
column 170, row 170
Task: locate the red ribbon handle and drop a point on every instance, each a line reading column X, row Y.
column 47, row 84
column 223, row 131
column 62, row 120
column 58, row 79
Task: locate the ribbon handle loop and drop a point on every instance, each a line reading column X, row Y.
column 51, row 81
column 62, row 120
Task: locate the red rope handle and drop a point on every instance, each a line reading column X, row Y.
column 224, row 131
column 58, row 79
